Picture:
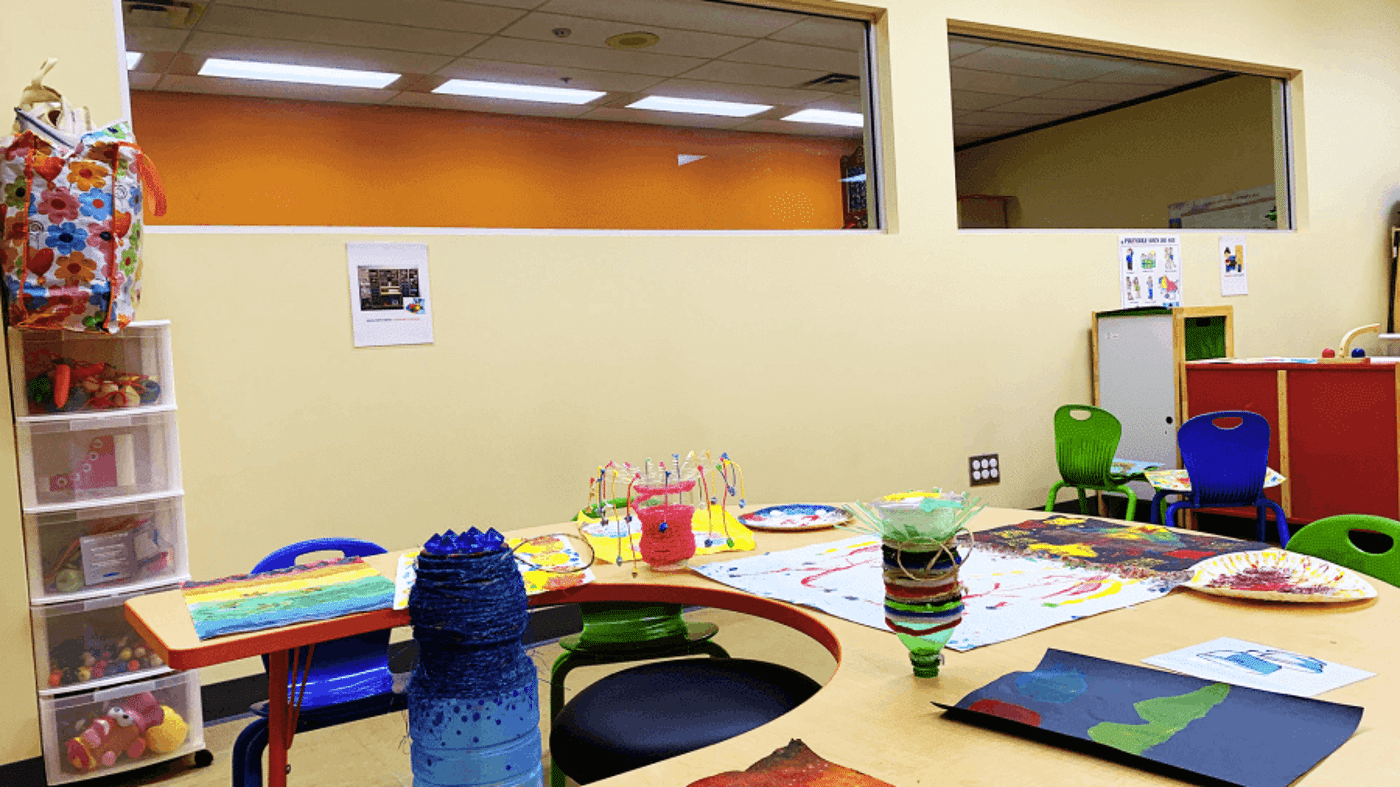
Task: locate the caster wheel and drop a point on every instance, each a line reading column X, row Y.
column 203, row 758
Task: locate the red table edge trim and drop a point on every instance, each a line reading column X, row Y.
column 251, row 644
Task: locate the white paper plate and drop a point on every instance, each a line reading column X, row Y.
column 1277, row 575
column 796, row 516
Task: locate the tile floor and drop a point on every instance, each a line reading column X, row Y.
column 375, row 752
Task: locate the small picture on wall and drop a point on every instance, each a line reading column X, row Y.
column 389, row 293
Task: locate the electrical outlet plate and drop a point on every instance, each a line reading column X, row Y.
column 984, row 469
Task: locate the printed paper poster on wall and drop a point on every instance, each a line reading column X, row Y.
column 1234, row 277
column 1149, row 270
column 389, row 302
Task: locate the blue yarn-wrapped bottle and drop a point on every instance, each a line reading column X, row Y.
column 473, row 701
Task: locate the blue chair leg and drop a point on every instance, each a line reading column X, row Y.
column 1155, row 515
column 1283, row 535
column 247, row 754
column 1172, row 509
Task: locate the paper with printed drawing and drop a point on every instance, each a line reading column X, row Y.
column 1259, row 667
column 1234, row 276
column 1149, row 270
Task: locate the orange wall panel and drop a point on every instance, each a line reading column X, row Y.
column 248, row 161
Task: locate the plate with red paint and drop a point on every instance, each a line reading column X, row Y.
column 1277, row 575
column 796, row 516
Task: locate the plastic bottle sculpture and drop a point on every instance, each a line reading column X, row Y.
column 473, row 701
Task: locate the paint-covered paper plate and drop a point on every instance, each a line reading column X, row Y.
column 1276, row 575
column 796, row 516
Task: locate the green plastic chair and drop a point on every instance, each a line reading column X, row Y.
column 1330, row 539
column 1084, row 451
column 626, row 631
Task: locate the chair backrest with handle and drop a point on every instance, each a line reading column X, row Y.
column 343, row 669
column 1226, row 461
column 1084, row 446
column 1332, row 539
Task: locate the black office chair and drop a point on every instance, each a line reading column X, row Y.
column 646, row 714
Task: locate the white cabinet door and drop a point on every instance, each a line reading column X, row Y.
column 1137, row 383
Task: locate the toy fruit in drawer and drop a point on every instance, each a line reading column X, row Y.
column 65, row 385
column 130, row 728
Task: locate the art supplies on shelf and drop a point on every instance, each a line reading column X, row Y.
column 91, row 551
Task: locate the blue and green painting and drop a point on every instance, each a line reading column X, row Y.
column 1231, row 733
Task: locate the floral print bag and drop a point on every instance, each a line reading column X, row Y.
column 70, row 214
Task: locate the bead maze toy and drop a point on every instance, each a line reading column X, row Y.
column 665, row 512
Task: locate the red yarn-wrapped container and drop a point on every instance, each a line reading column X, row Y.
column 668, row 548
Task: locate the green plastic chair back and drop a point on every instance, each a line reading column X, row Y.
column 1084, row 451
column 1330, row 539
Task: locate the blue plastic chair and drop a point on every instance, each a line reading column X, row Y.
column 1227, row 466
column 348, row 679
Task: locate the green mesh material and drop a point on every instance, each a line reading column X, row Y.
column 1084, row 451
column 1330, row 539
column 1205, row 338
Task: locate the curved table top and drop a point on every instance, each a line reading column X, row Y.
column 876, row 717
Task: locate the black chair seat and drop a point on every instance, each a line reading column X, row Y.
column 645, row 714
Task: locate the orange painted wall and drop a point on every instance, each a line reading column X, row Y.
column 248, row 161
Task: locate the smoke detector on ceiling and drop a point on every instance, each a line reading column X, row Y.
column 635, row 40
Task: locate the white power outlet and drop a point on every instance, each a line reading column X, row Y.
column 984, row 469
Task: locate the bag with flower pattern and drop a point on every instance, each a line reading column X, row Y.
column 70, row 214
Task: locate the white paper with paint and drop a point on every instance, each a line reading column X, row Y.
column 1258, row 666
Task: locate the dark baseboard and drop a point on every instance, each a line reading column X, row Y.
column 229, row 700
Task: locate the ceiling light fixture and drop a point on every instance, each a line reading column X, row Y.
column 829, row 117
column 285, row 72
column 132, row 58
column 553, row 95
column 637, row 40
column 695, row 106
column 685, row 158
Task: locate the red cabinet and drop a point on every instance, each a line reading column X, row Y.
column 1334, row 429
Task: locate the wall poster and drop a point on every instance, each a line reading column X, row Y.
column 389, row 293
column 1149, row 270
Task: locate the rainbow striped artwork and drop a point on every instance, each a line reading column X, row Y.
column 316, row 591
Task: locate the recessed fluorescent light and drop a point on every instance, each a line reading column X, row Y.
column 284, row 72
column 695, row 106
column 553, row 95
column 828, row 116
column 132, row 58
column 685, row 158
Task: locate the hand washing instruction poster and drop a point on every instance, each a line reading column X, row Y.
column 1149, row 270
column 389, row 294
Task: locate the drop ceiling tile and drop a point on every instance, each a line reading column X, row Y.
column 847, row 34
column 1006, row 84
column 800, row 129
column 624, row 115
column 1007, row 119
column 969, row 100
column 1052, row 106
column 1038, row 62
column 837, row 103
column 1102, row 91
column 547, row 53
column 264, row 89
column 959, row 47
column 494, row 106
column 582, row 79
column 255, row 23
column 154, row 39
column 721, row 18
column 750, row 74
column 310, row 54
column 431, row 14
column 1163, row 74
column 595, row 33
column 158, row 62
column 777, row 53
column 139, row 81
column 720, row 91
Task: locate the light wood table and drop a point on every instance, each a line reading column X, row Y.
column 875, row 716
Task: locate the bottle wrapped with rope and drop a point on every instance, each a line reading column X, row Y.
column 473, row 701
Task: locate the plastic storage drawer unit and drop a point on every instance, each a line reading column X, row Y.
column 117, row 729
column 67, row 460
column 87, row 644
column 101, row 372
column 96, row 550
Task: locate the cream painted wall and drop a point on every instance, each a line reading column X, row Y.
column 831, row 366
column 1123, row 168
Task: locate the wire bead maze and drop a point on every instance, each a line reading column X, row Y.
column 653, row 506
